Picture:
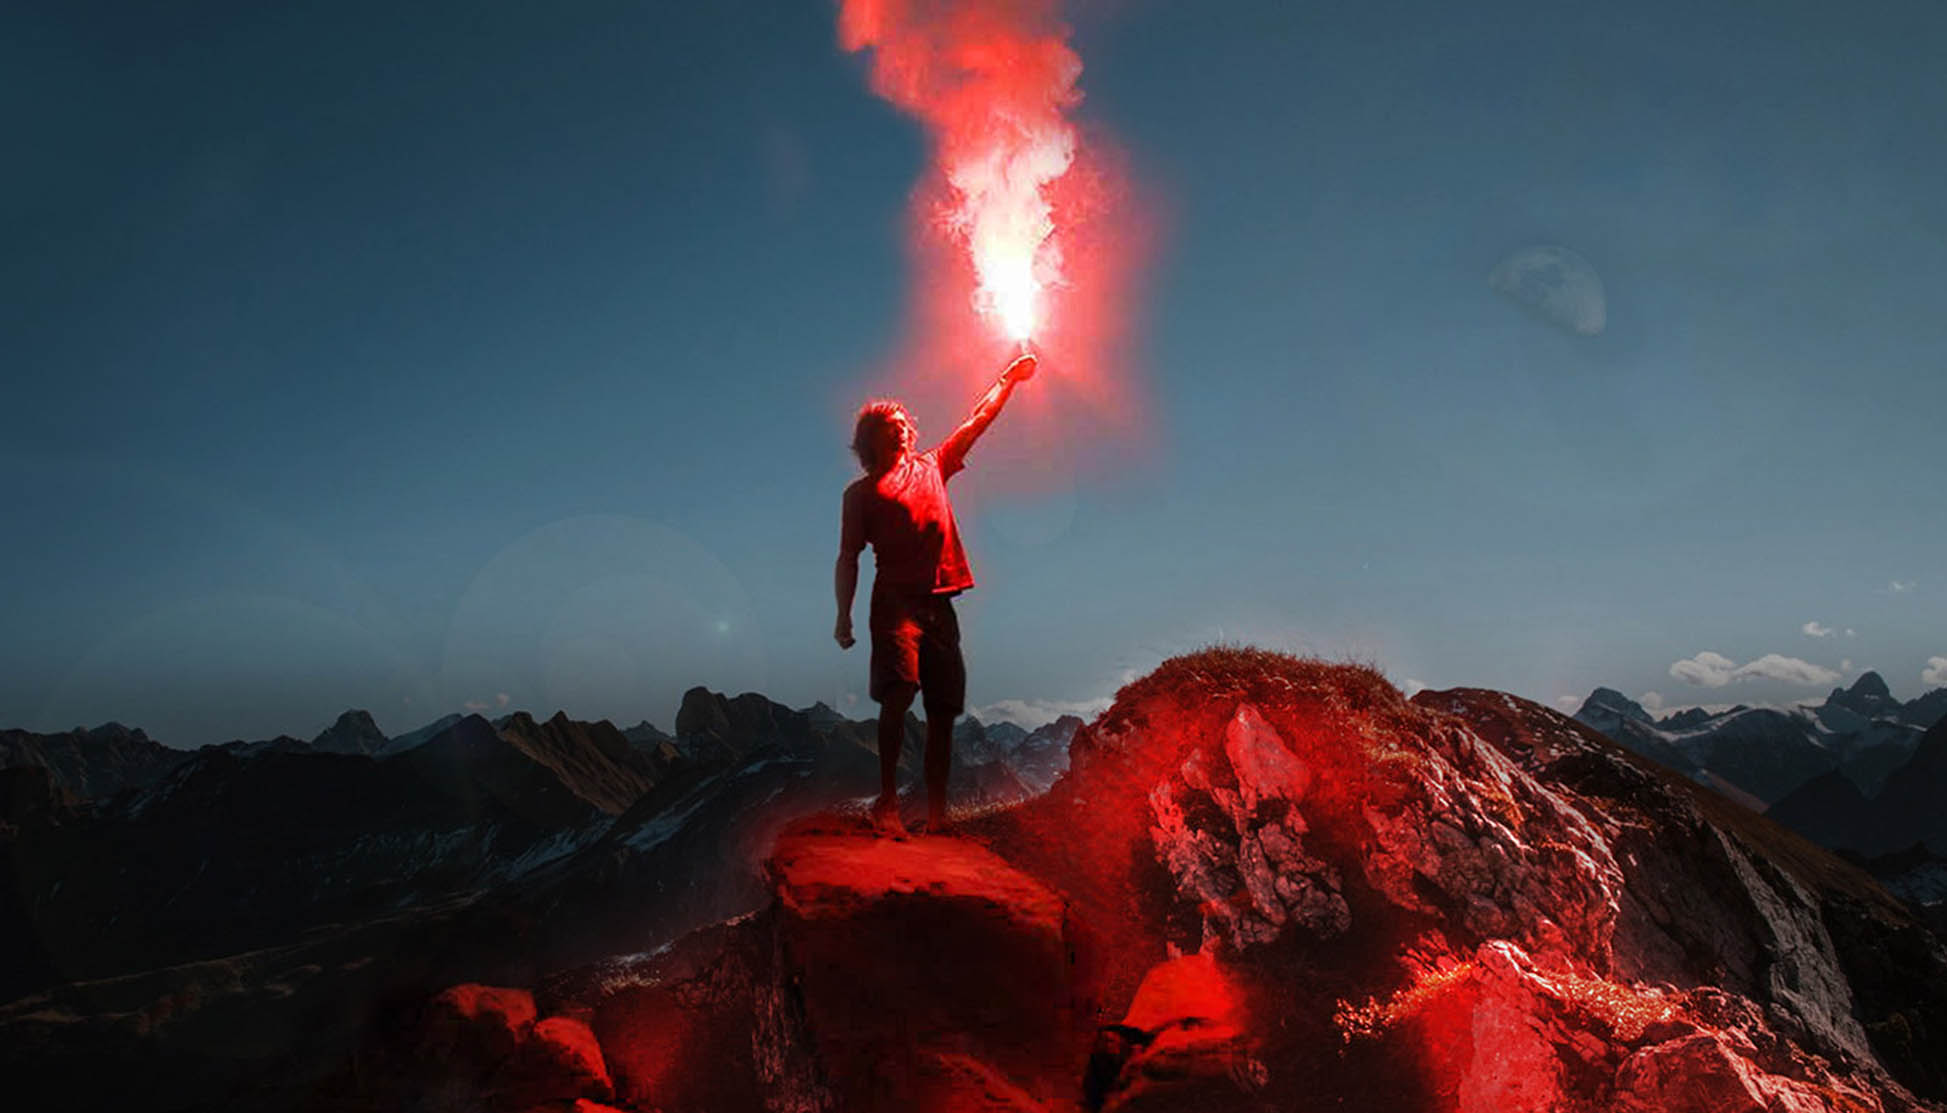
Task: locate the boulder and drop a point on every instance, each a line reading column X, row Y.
column 1185, row 1044
column 901, row 951
column 480, row 1025
column 559, row 1061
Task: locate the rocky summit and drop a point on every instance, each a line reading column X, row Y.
column 1263, row 883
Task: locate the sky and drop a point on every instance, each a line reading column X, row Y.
column 501, row 356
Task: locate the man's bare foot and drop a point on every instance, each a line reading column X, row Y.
column 885, row 818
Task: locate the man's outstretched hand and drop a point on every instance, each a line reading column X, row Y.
column 1022, row 369
column 842, row 634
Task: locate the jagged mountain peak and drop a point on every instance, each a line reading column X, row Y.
column 1611, row 702
column 645, row 733
column 1870, row 683
column 823, row 716
column 737, row 724
column 114, row 730
column 1868, row 695
column 354, row 732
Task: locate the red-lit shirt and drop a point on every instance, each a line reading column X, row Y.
column 906, row 517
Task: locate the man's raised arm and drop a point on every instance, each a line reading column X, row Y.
column 953, row 451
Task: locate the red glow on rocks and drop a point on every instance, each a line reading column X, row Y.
column 1264, row 882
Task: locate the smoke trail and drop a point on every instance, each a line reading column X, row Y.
column 1023, row 229
column 992, row 80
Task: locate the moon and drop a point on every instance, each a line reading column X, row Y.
column 1556, row 283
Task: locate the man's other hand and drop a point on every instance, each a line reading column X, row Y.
column 1022, row 369
column 842, row 634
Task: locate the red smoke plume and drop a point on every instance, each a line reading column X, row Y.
column 1023, row 228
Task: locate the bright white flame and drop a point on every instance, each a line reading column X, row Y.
column 1009, row 225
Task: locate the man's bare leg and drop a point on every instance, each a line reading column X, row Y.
column 939, row 761
column 892, row 739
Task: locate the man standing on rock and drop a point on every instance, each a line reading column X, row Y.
column 900, row 508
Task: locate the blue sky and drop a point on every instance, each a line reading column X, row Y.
column 493, row 355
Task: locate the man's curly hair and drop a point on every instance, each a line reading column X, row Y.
column 878, row 436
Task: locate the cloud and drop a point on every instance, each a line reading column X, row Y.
column 1569, row 703
column 1705, row 670
column 1935, row 673
column 1900, row 587
column 1651, row 701
column 1789, row 670
column 501, row 699
column 1038, row 713
column 1851, row 633
column 1714, row 670
column 1845, row 665
column 1413, row 687
column 1815, row 630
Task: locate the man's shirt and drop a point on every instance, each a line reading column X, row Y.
column 907, row 519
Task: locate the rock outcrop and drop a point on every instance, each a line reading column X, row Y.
column 1268, row 883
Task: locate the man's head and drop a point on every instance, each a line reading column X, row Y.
column 884, row 433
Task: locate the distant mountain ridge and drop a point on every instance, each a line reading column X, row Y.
column 1910, row 809
column 249, row 929
column 123, row 854
column 1861, row 732
column 91, row 763
column 1861, row 772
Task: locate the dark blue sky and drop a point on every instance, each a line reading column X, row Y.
column 412, row 356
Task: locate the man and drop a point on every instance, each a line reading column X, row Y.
column 900, row 508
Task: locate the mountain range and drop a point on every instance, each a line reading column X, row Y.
column 124, row 855
column 1763, row 753
column 1262, row 883
column 1254, row 880
column 1862, row 773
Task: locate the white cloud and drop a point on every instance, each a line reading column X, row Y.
column 477, row 706
column 1845, row 665
column 1705, row 670
column 1851, row 633
column 1900, row 587
column 1651, row 701
column 1815, row 630
column 1789, row 670
column 1569, row 703
column 1037, row 713
column 1413, row 687
column 1714, row 670
column 1935, row 673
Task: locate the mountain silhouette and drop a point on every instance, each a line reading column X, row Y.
column 1254, row 882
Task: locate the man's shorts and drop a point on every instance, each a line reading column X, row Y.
column 916, row 640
